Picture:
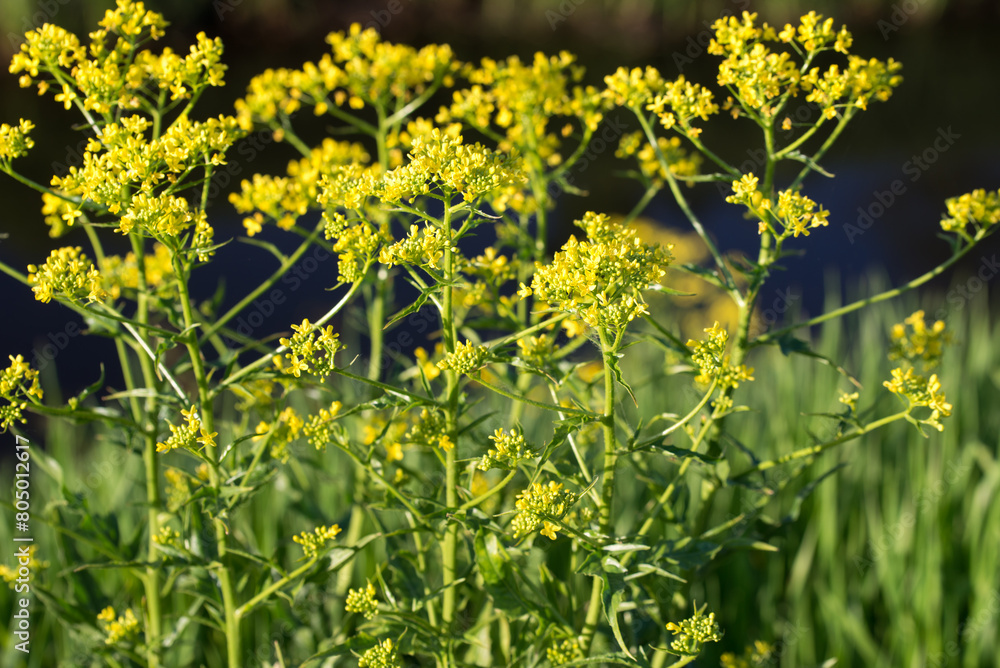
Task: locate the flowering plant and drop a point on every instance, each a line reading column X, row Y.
column 475, row 481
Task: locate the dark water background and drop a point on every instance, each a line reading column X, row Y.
column 951, row 57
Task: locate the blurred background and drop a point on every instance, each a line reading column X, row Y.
column 937, row 135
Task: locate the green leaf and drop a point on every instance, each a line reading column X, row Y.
column 681, row 453
column 607, row 659
column 751, row 544
column 417, row 304
column 706, row 274
column 646, row 569
column 807, row 160
column 611, row 596
column 625, row 547
column 612, row 360
column 670, row 291
column 359, row 643
column 789, row 344
column 491, row 557
column 498, row 569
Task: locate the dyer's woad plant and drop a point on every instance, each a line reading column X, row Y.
column 477, row 518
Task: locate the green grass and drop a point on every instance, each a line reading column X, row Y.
column 893, row 560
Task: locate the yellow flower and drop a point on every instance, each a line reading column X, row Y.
column 382, row 655
column 600, row 280
column 14, row 141
column 125, row 627
column 550, row 500
column 311, row 349
column 979, row 209
column 313, row 542
column 362, row 601
column 509, row 451
column 66, row 273
column 466, row 359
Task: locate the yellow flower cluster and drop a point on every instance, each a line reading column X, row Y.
column 761, row 77
column 116, row 76
column 118, row 629
column 537, row 350
column 11, row 575
column 755, row 73
column 67, row 273
column 159, row 215
column 284, row 199
column 168, row 537
column 383, row 655
column 467, row 358
column 14, row 141
column 178, row 488
column 517, row 103
column 921, row 343
column 18, row 382
column 320, row 429
column 850, row 400
column 311, row 349
column 926, row 345
column 713, row 363
column 979, row 208
column 633, row 88
column 122, row 274
column 550, row 500
column 681, row 102
column 509, row 451
column 794, row 212
column 442, row 164
column 424, row 247
column 756, row 656
column 857, row 85
column 815, row 34
column 430, row 430
column 355, row 248
column 362, row 601
column 313, row 542
column 920, row 391
column 285, row 429
column 492, row 267
column 682, row 163
column 187, row 434
column 361, row 70
column 694, row 632
column 600, row 280
column 523, row 98
column 130, row 175
column 797, row 214
column 567, row 651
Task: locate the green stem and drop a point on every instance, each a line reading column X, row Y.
column 232, row 626
column 275, row 586
column 450, row 546
column 286, row 264
column 861, row 303
column 263, row 361
column 605, row 516
column 472, row 503
column 151, row 581
column 538, row 404
column 844, row 120
column 682, row 201
column 821, row 447
column 376, row 323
